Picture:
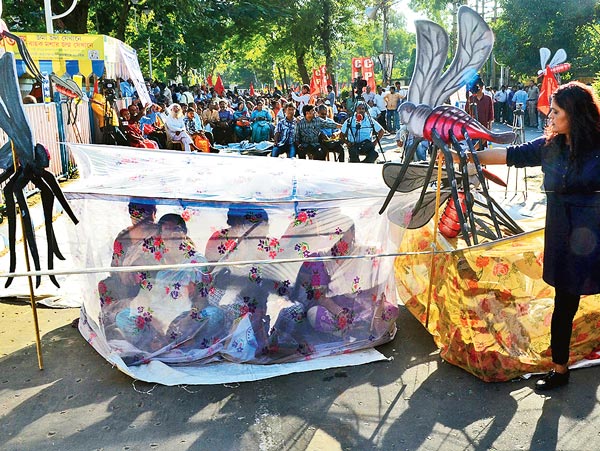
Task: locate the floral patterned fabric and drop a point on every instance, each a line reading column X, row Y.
column 490, row 311
column 276, row 239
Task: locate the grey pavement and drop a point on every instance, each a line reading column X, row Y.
column 413, row 402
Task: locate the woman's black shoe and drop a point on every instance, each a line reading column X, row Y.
column 552, row 380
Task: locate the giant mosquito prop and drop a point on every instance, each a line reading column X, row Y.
column 30, row 166
column 446, row 126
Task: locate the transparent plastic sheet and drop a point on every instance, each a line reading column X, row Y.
column 228, row 209
column 490, row 309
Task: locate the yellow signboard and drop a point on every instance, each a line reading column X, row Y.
column 44, row 46
column 62, row 50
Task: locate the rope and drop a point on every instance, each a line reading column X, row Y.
column 435, row 230
column 115, row 269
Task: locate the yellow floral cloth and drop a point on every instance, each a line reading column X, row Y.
column 490, row 309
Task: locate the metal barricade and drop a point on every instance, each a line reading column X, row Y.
column 70, row 122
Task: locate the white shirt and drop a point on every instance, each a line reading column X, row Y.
column 500, row 96
column 303, row 100
column 368, row 96
column 379, row 101
column 175, row 124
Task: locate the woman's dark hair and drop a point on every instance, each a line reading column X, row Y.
column 244, row 216
column 174, row 219
column 142, row 211
column 583, row 112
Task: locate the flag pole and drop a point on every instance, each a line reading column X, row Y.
column 433, row 245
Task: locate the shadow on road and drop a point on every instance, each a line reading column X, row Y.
column 415, row 401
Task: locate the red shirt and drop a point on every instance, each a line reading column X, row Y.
column 485, row 109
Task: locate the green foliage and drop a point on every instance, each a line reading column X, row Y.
column 24, row 15
column 596, row 84
column 259, row 41
column 525, row 27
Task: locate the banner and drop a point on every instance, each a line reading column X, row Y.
column 62, row 53
column 549, row 85
column 318, row 82
column 364, row 67
column 325, row 79
column 129, row 57
column 315, row 83
column 219, row 87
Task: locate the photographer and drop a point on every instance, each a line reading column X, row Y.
column 520, row 98
column 358, row 131
column 106, row 114
column 480, row 106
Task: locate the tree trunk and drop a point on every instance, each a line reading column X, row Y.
column 325, row 33
column 281, row 78
column 302, row 69
column 285, row 80
column 76, row 21
column 120, row 33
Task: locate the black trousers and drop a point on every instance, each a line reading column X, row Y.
column 334, row 146
column 363, row 148
column 565, row 307
column 382, row 119
column 313, row 150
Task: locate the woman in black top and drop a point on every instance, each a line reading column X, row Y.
column 569, row 155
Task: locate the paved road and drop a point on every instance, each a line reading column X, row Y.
column 413, row 402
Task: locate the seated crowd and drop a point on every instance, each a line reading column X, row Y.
column 200, row 120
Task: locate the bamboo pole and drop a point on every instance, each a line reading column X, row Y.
column 38, row 343
column 433, row 243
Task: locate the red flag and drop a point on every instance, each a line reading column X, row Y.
column 251, row 90
column 315, row 83
column 363, row 67
column 219, row 88
column 96, row 90
column 209, row 81
column 549, row 85
column 324, row 78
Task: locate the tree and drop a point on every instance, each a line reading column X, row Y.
column 555, row 24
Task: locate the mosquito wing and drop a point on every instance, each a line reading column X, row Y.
column 544, row 57
column 559, row 57
column 432, row 52
column 13, row 120
column 473, row 48
column 414, row 178
column 427, row 211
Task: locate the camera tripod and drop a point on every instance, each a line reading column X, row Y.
column 517, row 127
column 111, row 135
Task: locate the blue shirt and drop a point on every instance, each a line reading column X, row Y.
column 286, row 130
column 520, row 97
column 126, row 89
column 359, row 132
